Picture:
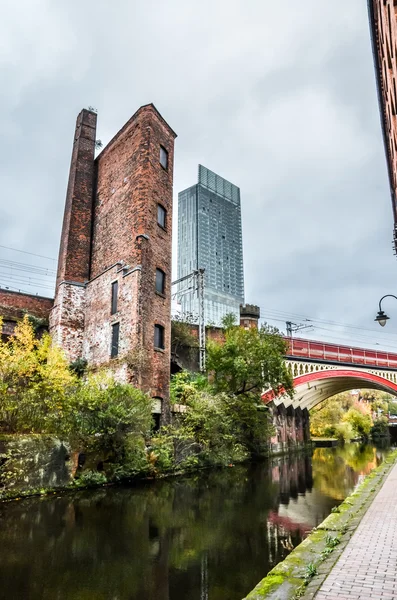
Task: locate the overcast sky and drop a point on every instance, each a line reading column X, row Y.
column 277, row 97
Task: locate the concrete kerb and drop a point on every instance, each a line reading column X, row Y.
column 302, row 573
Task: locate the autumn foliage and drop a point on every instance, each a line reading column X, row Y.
column 39, row 393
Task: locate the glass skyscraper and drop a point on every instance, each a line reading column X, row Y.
column 210, row 237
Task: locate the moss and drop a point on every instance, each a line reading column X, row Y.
column 269, row 584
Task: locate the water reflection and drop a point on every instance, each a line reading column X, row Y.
column 207, row 537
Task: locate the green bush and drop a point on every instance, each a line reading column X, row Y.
column 380, row 428
column 160, row 453
column 107, row 409
column 360, row 422
column 343, row 431
column 130, row 457
column 90, row 478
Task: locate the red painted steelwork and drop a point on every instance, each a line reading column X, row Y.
column 344, row 374
column 313, row 350
column 362, row 376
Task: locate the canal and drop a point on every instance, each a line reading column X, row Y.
column 209, row 536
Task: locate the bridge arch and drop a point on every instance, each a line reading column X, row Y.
column 313, row 388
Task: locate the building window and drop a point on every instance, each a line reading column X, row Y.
column 115, row 340
column 161, row 215
column 159, row 337
column 115, row 291
column 163, row 157
column 160, row 281
column 156, row 412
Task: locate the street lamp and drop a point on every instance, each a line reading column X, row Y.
column 382, row 317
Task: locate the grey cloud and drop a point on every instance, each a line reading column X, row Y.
column 277, row 97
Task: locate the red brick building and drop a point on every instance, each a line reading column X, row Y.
column 383, row 26
column 113, row 294
column 14, row 305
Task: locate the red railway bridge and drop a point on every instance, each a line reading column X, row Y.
column 321, row 370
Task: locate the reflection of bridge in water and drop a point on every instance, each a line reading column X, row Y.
column 321, row 370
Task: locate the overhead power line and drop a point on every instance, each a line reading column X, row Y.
column 27, row 267
column 283, row 316
column 25, row 252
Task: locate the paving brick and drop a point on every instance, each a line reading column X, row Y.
column 367, row 568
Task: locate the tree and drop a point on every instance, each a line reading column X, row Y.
column 248, row 362
column 360, row 421
column 35, row 381
column 240, row 369
column 181, row 334
column 40, row 393
column 344, row 417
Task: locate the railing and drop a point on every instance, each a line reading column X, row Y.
column 310, row 349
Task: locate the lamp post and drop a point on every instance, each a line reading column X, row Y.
column 382, row 317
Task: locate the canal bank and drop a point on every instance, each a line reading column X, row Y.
column 308, row 572
column 36, row 464
column 210, row 535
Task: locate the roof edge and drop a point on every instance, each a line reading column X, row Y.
column 130, row 120
column 15, row 293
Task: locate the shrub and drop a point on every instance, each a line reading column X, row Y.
column 39, row 393
column 102, row 407
column 35, row 383
column 90, row 478
column 360, row 422
column 380, row 428
column 343, row 431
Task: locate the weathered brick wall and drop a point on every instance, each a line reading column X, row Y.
column 99, row 320
column 75, row 247
column 15, row 304
column 111, row 217
column 67, row 319
column 130, row 184
column 383, row 26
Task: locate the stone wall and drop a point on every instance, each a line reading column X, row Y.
column 34, row 462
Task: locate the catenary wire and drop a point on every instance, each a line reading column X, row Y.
column 25, row 252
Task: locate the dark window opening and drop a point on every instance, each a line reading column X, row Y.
column 161, row 215
column 160, row 281
column 156, row 422
column 115, row 290
column 159, row 337
column 115, row 340
column 163, row 157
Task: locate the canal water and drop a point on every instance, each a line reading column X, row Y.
column 210, row 536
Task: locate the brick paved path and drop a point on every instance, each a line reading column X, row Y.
column 367, row 568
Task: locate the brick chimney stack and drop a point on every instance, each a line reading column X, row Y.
column 67, row 316
column 75, row 248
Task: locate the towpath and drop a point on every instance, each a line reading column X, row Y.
column 367, row 567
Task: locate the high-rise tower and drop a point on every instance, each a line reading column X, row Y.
column 210, row 238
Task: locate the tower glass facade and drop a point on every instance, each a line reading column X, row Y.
column 210, row 237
